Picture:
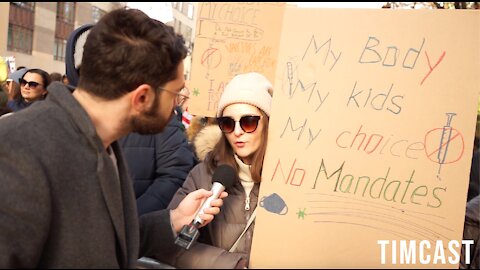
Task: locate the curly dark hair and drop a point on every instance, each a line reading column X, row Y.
column 125, row 49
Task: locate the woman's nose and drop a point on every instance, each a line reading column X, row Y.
column 238, row 129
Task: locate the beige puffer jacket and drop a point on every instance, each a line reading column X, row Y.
column 211, row 249
column 218, row 236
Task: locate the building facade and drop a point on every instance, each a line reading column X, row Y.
column 184, row 22
column 36, row 33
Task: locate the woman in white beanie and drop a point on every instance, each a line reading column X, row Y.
column 243, row 115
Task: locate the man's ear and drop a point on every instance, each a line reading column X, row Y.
column 142, row 98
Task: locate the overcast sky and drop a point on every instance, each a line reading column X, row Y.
column 341, row 4
column 161, row 11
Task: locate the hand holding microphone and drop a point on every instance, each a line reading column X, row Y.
column 223, row 177
column 188, row 207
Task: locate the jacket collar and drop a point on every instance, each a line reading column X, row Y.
column 118, row 193
column 60, row 95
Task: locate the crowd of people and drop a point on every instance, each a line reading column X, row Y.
column 107, row 173
column 25, row 86
column 68, row 200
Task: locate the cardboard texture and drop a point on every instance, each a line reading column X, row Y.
column 232, row 38
column 370, row 138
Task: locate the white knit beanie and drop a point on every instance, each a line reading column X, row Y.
column 249, row 88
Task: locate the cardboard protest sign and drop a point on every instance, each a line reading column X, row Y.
column 7, row 66
column 370, row 139
column 3, row 69
column 231, row 38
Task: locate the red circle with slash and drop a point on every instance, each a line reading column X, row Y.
column 211, row 58
column 456, row 145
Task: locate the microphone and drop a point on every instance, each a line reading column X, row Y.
column 223, row 178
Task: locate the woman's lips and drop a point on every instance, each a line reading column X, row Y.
column 240, row 144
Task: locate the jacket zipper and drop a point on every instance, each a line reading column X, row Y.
column 247, row 203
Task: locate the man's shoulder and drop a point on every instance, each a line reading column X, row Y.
column 58, row 86
column 42, row 121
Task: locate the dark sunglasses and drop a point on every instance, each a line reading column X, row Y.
column 248, row 123
column 31, row 84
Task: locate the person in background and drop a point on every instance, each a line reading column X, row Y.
column 65, row 79
column 3, row 95
column 13, row 84
column 66, row 199
column 3, row 100
column 55, row 77
column 474, row 182
column 182, row 110
column 158, row 164
column 243, row 117
column 33, row 87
